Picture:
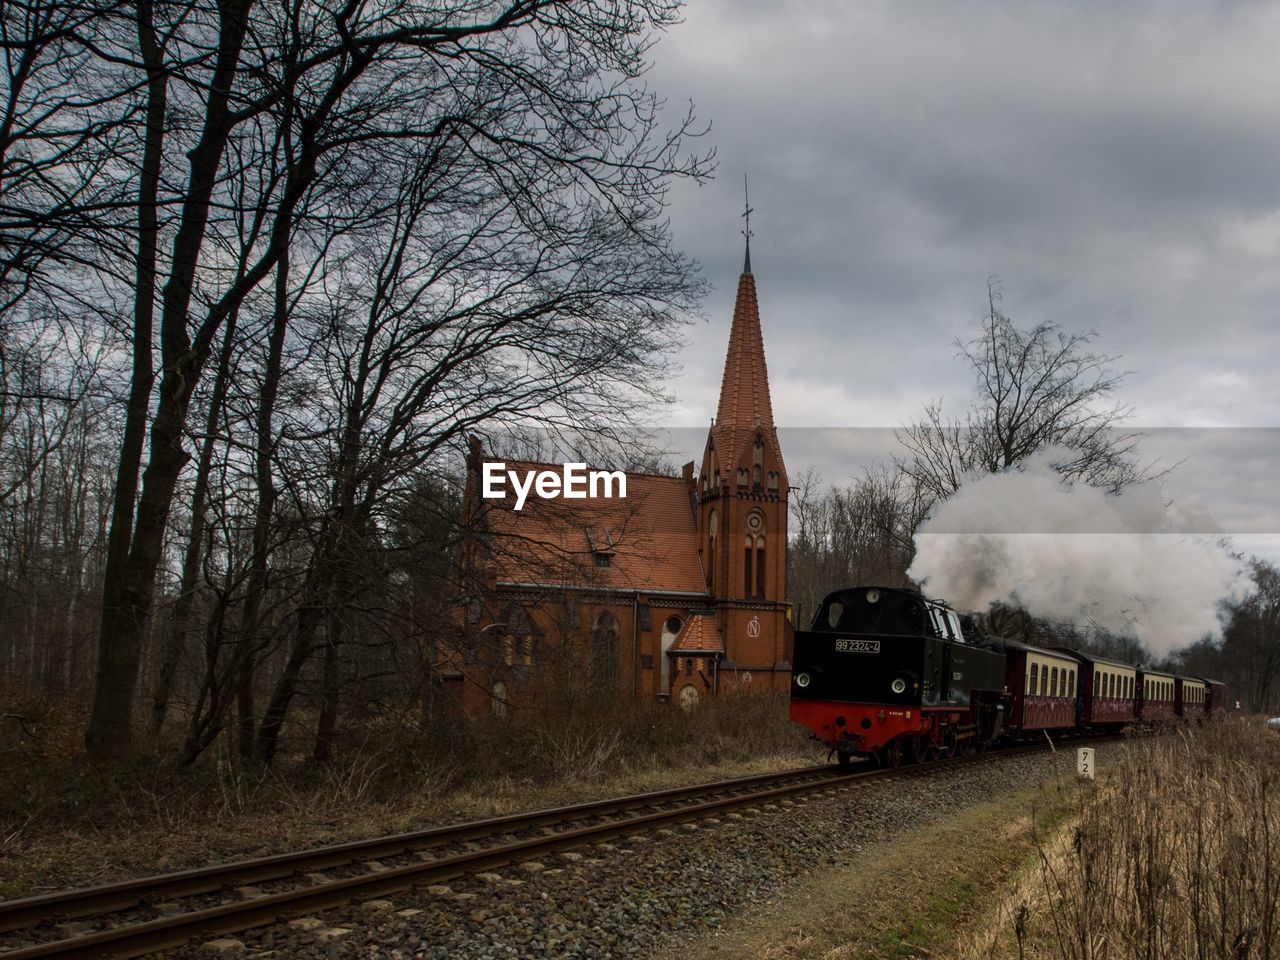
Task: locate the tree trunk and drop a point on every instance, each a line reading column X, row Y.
column 176, row 638
column 108, row 735
column 129, row 579
column 327, row 725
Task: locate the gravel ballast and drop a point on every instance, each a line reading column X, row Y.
column 626, row 898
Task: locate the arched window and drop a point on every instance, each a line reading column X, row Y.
column 670, row 630
column 713, row 531
column 753, row 556
column 757, row 461
column 604, row 654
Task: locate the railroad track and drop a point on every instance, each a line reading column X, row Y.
column 142, row 916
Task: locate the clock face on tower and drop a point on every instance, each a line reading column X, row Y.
column 755, row 522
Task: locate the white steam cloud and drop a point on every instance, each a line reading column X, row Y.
column 1127, row 562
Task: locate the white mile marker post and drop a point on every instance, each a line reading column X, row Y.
column 1084, row 763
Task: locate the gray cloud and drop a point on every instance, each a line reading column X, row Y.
column 1115, row 164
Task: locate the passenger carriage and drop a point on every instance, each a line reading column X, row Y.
column 1191, row 698
column 1042, row 684
column 1107, row 690
column 1217, row 696
column 1157, row 696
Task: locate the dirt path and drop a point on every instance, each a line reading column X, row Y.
column 922, row 895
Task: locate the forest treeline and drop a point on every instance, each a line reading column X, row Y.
column 264, row 266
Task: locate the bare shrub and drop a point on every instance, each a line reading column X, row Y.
column 1176, row 854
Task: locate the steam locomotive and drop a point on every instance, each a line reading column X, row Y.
column 888, row 674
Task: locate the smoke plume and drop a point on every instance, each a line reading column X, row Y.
column 1126, row 562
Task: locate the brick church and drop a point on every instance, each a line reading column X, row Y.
column 677, row 591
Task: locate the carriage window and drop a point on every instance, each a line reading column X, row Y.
column 1071, row 684
column 1035, row 674
column 1053, row 682
column 1044, row 679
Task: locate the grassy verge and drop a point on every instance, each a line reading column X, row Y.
column 1176, row 853
column 906, row 897
column 64, row 824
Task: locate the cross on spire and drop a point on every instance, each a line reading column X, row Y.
column 746, row 232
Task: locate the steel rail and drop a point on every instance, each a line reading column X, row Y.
column 87, row 901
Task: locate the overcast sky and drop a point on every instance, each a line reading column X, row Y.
column 1116, row 165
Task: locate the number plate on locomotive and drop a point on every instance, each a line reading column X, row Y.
column 857, row 646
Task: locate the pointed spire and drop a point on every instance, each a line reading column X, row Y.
column 744, row 393
column 746, row 232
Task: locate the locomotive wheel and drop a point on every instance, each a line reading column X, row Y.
column 893, row 755
column 918, row 750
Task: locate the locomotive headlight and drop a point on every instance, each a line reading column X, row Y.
column 803, row 680
column 873, row 596
column 898, row 686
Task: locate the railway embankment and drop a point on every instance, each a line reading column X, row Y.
column 1173, row 851
column 682, row 889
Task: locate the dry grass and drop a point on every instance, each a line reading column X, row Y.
column 1175, row 853
column 63, row 823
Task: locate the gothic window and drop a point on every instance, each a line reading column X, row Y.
column 670, row 630
column 604, row 653
column 753, row 556
column 712, row 531
column 757, row 461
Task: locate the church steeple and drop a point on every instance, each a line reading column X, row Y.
column 744, row 417
column 742, row 503
column 744, row 390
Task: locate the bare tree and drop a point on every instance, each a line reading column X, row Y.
column 1251, row 642
column 526, row 115
column 862, row 533
column 1036, row 389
